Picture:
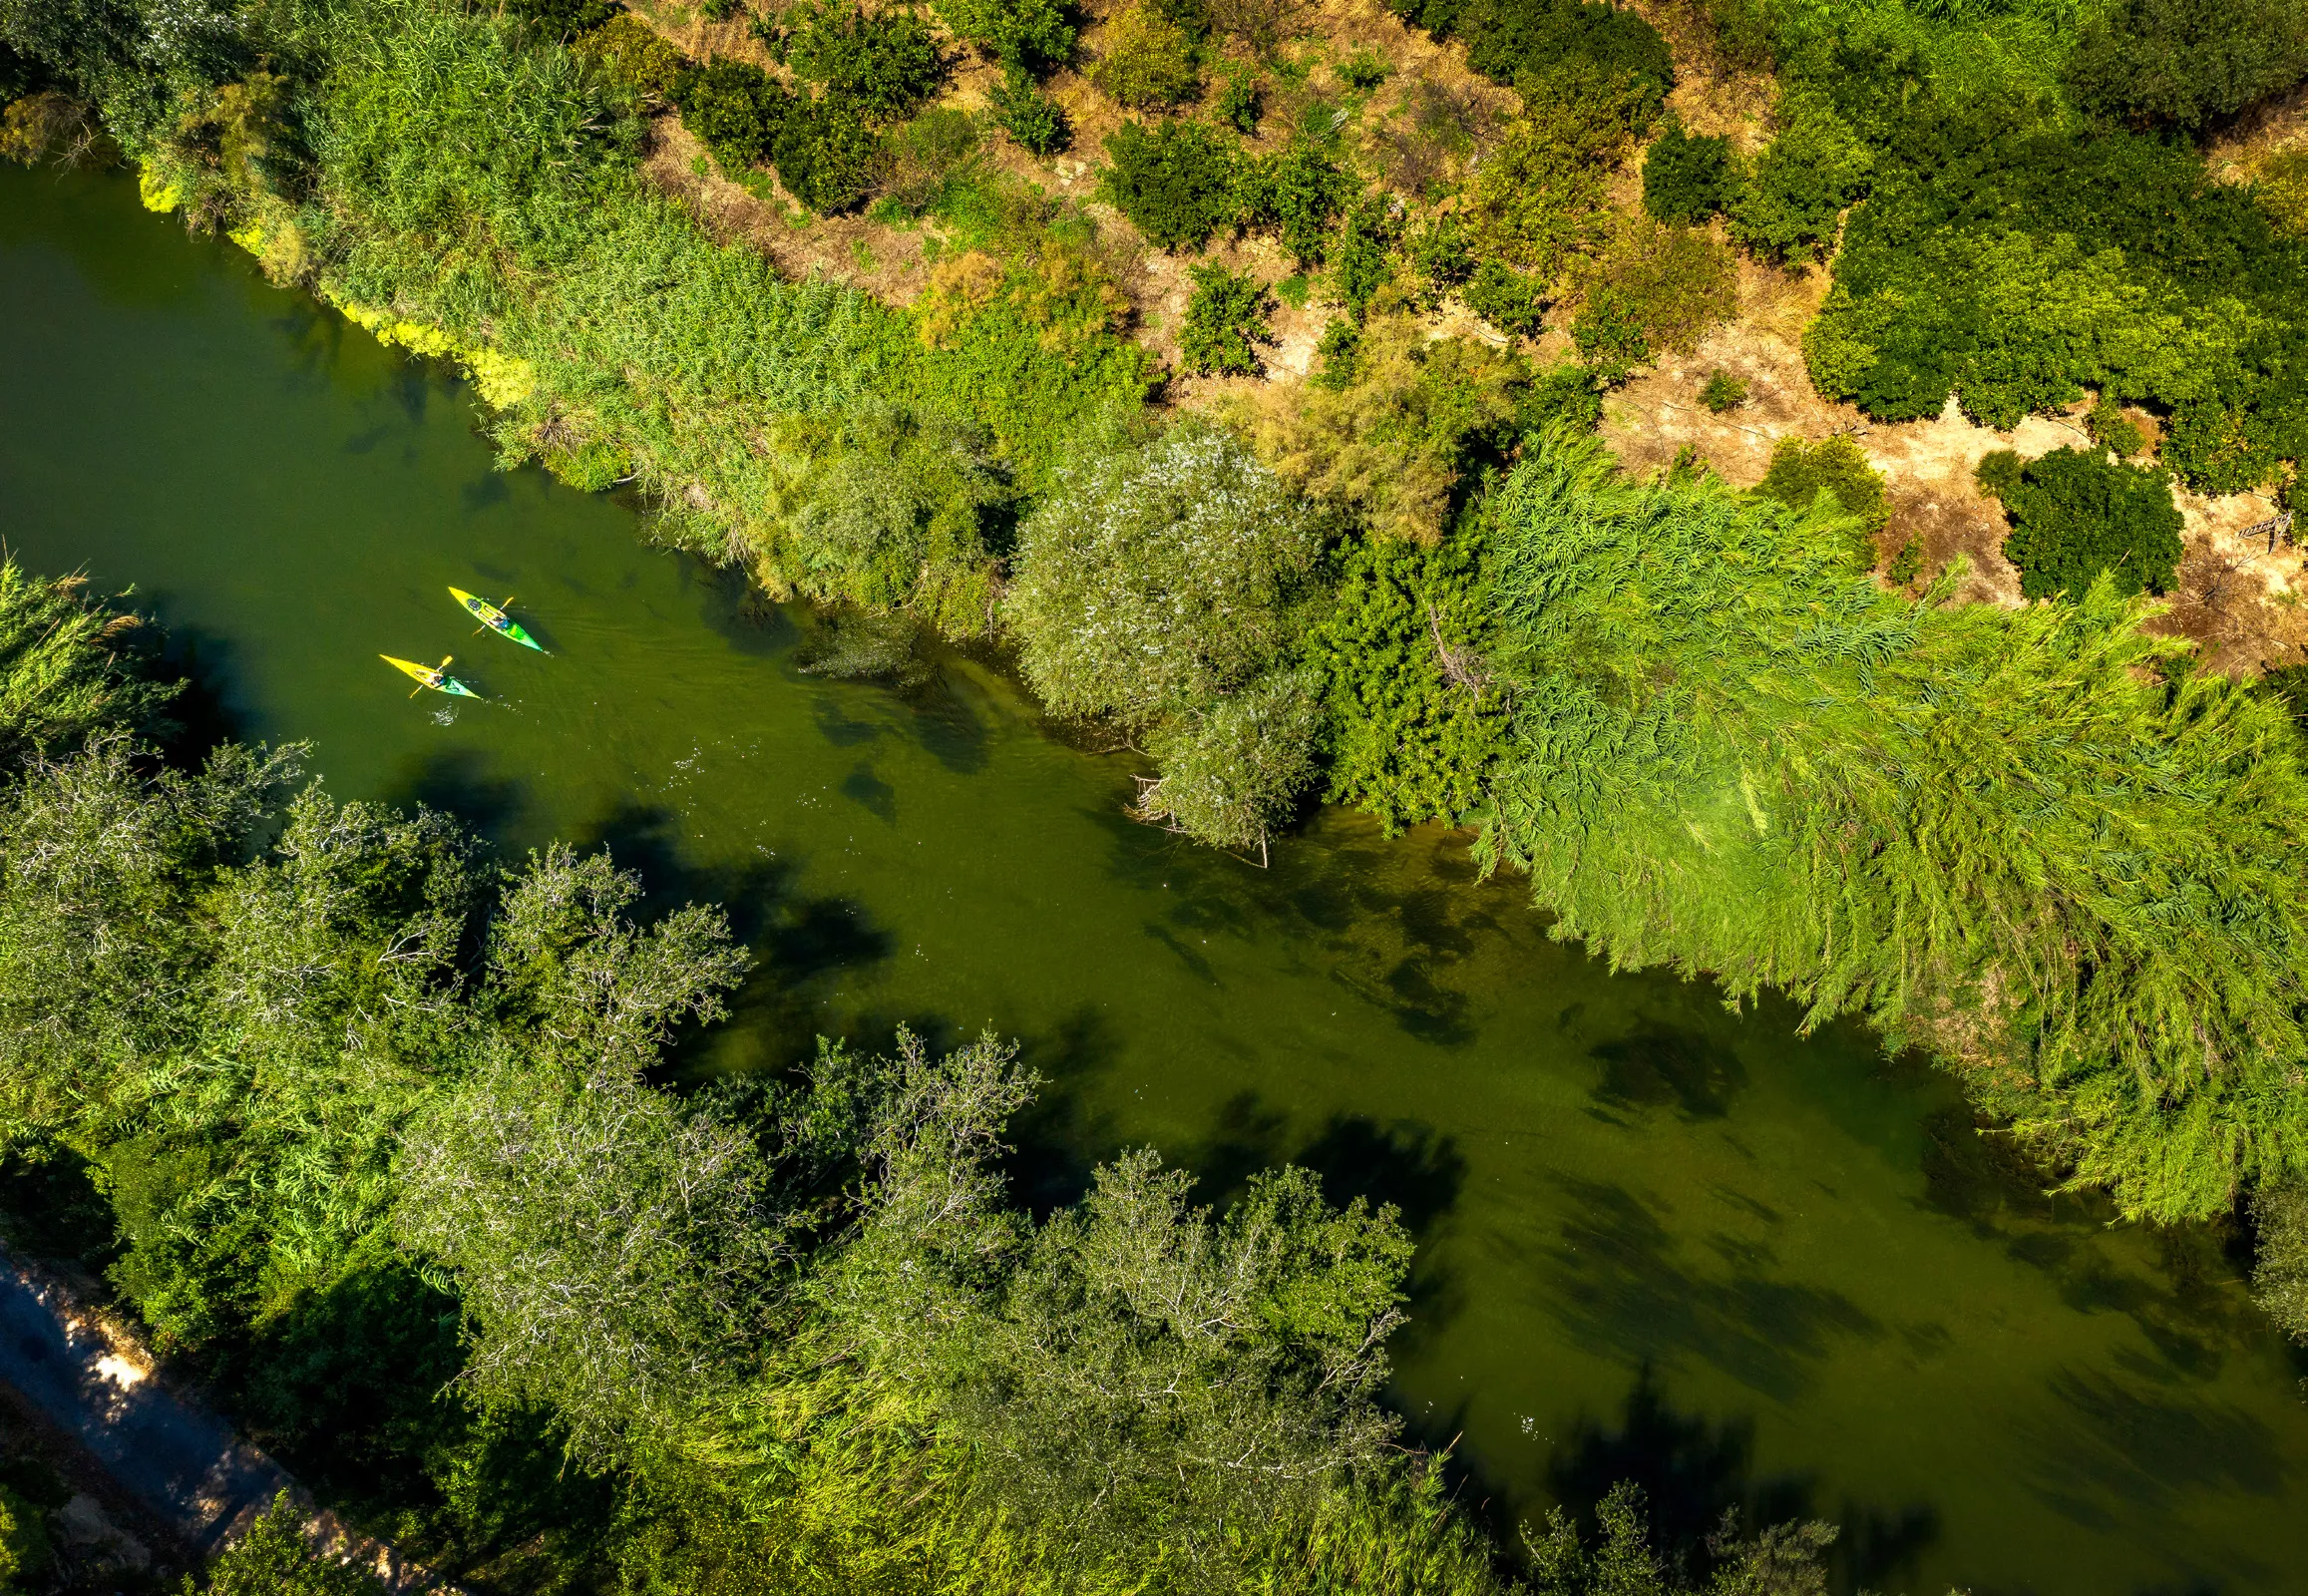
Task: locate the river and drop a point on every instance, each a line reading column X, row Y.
column 1656, row 1237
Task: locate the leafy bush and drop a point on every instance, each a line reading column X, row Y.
column 1441, row 256
column 2283, row 189
column 1788, row 207
column 1149, row 63
column 1024, row 34
column 2187, row 63
column 65, row 667
column 1365, row 258
column 1906, row 565
column 1653, row 286
column 635, row 57
column 1261, row 24
column 1509, row 41
column 1225, row 321
column 1395, row 425
column 1239, row 99
column 27, row 1553
column 1299, row 191
column 1175, row 184
column 882, row 67
column 1688, row 178
column 2110, row 426
column 2075, row 516
column 1513, row 301
column 929, row 158
column 1414, row 724
column 1158, row 578
column 1801, row 471
column 1365, row 70
column 1029, row 116
column 733, row 108
column 2280, row 1270
column 273, row 1558
column 1535, row 201
column 827, row 156
column 562, row 19
column 1722, row 392
column 1784, row 1560
column 1231, row 775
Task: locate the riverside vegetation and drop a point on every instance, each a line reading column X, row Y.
column 2037, row 841
column 363, row 1128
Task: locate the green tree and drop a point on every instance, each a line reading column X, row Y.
column 2075, row 515
column 1177, row 184
column 2280, row 1270
column 1801, row 470
column 1792, row 200
column 274, row 1558
column 66, row 667
column 1687, row 176
column 2187, row 63
column 1225, row 321
column 1149, row 63
column 884, row 66
column 1027, row 34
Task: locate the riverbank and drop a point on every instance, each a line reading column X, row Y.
column 1654, row 1238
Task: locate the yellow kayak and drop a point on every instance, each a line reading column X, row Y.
column 495, row 618
column 436, row 678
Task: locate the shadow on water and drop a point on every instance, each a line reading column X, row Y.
column 1692, row 1471
column 1620, row 1287
column 458, row 781
column 1655, row 1067
column 201, row 716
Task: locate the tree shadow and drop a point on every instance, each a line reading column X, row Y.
column 1059, row 1140
column 1619, row 1289
column 458, row 782
column 1693, row 1470
column 1655, row 1065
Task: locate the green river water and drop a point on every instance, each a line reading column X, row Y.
column 1657, row 1238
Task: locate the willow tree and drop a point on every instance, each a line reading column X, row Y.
column 2037, row 840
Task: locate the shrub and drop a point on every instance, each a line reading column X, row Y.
column 1395, row 424
column 1789, row 209
column 1175, row 184
column 1365, row 257
column 274, row 1559
column 1261, row 24
column 1906, row 565
column 928, row 157
column 826, row 155
column 1149, row 61
column 1509, row 41
column 1511, row 300
column 1027, row 115
column 27, row 1555
column 882, row 66
column 1653, row 286
column 2109, row 426
column 630, row 54
column 734, row 110
column 1239, row 99
column 2075, row 514
column 1536, row 198
column 1026, row 34
column 1688, row 178
column 1442, row 256
column 1365, row 70
column 1159, row 578
column 2187, row 63
column 1299, row 191
column 2280, row 1271
column 2283, row 191
column 1233, row 773
column 562, row 19
column 1225, row 320
column 1722, row 392
column 1412, row 724
column 1800, row 471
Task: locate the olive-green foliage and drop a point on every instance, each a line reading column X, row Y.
column 1029, row 116
column 1225, row 321
column 1651, row 286
column 1800, row 471
column 1784, row 1560
column 2280, row 1269
column 1733, row 753
column 563, row 19
column 2008, row 258
column 1535, row 201
column 1906, row 565
column 827, row 155
column 1158, row 578
column 1391, row 430
column 19, row 75
column 882, row 66
column 1687, row 176
column 2187, row 63
column 733, row 108
column 1176, row 183
column 2111, row 428
column 2076, row 516
column 1299, row 191
column 1414, row 724
column 1026, row 34
column 1149, row 63
column 273, row 1558
column 634, row 56
column 1232, row 774
column 1511, row 300
column 1364, row 257
column 1722, row 392
column 2282, row 190
column 1511, row 40
column 27, row 1552
column 1788, row 208
column 66, row 666
column 1239, row 99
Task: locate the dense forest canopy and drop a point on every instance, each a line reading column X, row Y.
column 1729, row 731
